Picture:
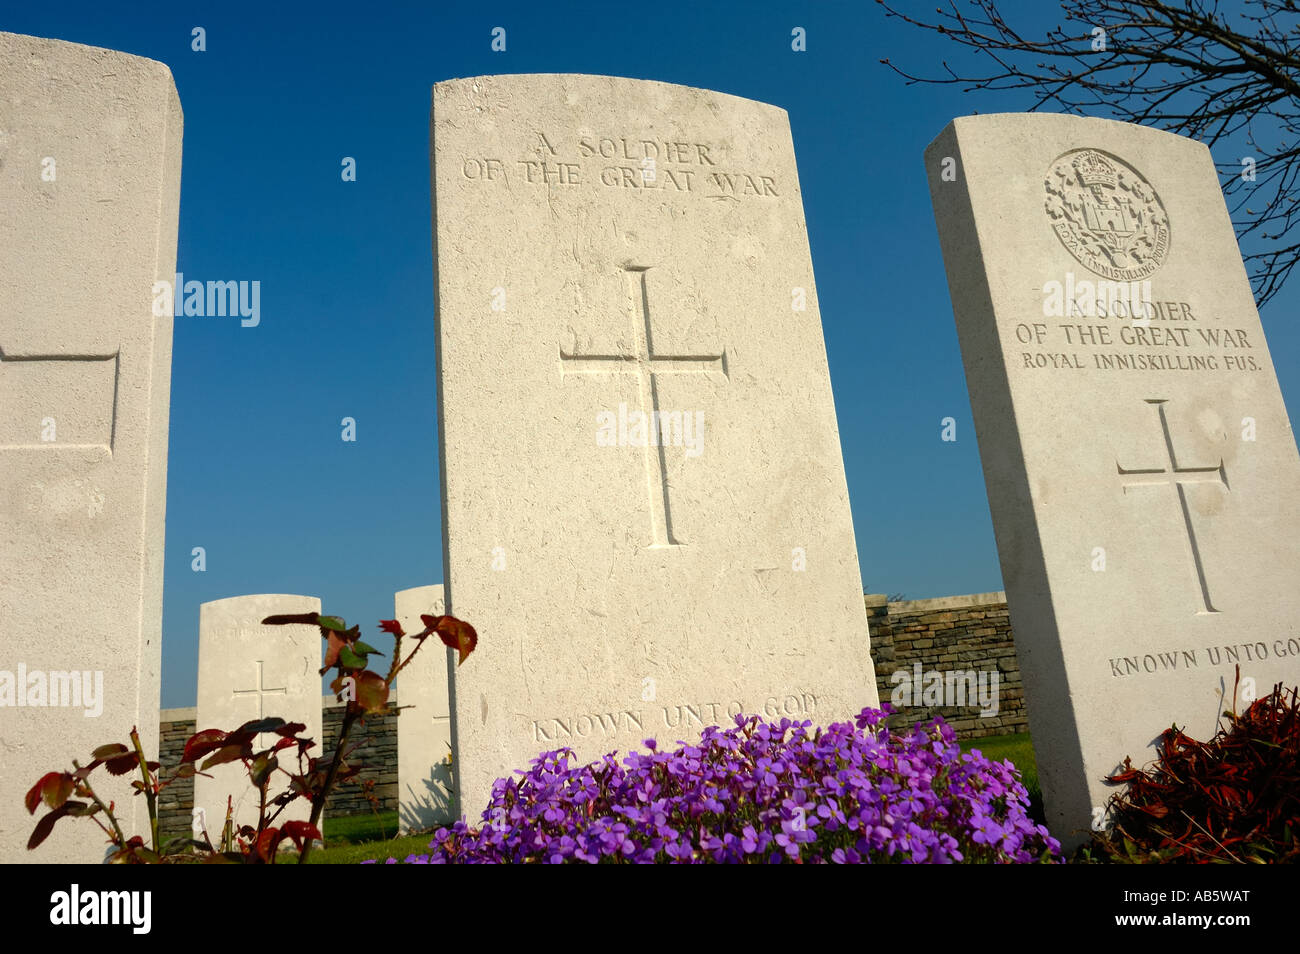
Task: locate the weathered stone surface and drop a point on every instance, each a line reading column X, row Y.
column 424, row 729
column 1141, row 471
column 608, row 247
column 250, row 671
column 90, row 160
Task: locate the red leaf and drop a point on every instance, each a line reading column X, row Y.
column 54, row 788
column 122, row 764
column 267, row 842
column 301, row 831
column 391, row 626
column 333, row 646
column 45, row 826
column 430, row 624
column 257, row 726
column 228, row 754
column 108, row 751
column 201, row 743
column 457, row 634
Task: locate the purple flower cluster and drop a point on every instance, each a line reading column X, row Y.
column 762, row 793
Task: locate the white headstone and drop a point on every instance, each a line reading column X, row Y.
column 424, row 727
column 607, row 249
column 250, row 671
column 90, row 162
column 1141, row 471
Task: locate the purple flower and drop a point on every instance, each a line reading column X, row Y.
column 760, row 792
column 985, row 831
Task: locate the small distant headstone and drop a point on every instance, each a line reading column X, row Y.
column 250, row 671
column 425, row 792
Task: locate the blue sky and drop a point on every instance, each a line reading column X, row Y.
column 258, row 475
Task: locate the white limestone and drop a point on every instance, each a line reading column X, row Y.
column 425, row 792
column 606, row 249
column 90, row 161
column 1141, row 471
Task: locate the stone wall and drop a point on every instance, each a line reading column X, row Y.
column 176, row 802
column 378, row 751
column 948, row 635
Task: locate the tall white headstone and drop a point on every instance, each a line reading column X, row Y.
column 1141, row 470
column 90, row 164
column 250, row 671
column 425, row 793
column 645, row 510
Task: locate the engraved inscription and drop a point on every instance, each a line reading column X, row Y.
column 1107, row 215
column 1121, row 326
column 1180, row 658
column 625, row 162
column 681, row 716
column 1179, row 477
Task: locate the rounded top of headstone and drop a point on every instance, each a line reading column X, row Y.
column 574, row 83
column 419, row 590
column 1038, row 124
column 65, row 52
column 287, row 598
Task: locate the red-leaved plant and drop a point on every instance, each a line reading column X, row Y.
column 314, row 778
column 1234, row 799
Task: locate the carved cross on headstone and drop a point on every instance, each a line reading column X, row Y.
column 1179, row 477
column 261, row 692
column 647, row 365
column 58, row 401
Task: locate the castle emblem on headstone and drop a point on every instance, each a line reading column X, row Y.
column 1107, row 215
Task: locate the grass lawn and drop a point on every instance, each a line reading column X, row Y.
column 358, row 838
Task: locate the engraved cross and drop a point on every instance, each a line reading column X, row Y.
column 647, row 365
column 1179, row 477
column 261, row 692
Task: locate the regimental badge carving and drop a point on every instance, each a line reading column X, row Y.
column 1107, row 215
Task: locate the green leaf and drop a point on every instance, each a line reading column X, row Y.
column 332, row 622
column 350, row 660
column 365, row 648
column 263, row 766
